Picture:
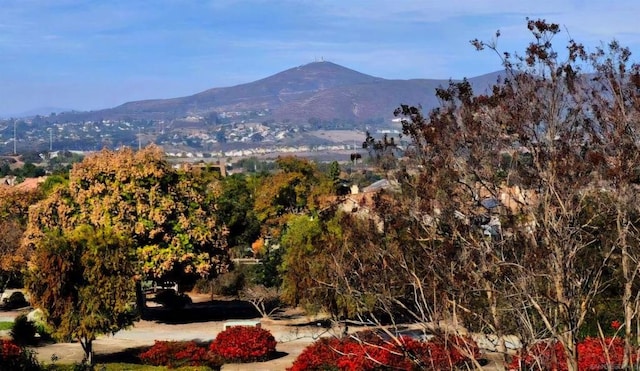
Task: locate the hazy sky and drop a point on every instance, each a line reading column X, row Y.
column 84, row 54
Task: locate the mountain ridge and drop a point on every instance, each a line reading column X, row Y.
column 318, row 90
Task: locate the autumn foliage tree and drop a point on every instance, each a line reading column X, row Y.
column 169, row 214
column 14, row 212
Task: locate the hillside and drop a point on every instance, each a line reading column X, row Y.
column 294, row 110
column 319, row 90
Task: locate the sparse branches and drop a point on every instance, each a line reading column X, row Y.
column 266, row 300
column 564, row 135
column 383, row 152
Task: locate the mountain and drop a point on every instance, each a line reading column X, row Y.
column 42, row 111
column 321, row 91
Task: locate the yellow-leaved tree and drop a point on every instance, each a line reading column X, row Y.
column 168, row 214
column 14, row 209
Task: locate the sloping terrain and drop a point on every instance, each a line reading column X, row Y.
column 319, row 90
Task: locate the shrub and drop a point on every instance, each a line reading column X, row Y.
column 244, row 344
column 42, row 329
column 228, row 284
column 23, row 331
column 203, row 286
column 14, row 357
column 454, row 350
column 591, row 355
column 321, row 355
column 266, row 300
column 369, row 351
column 36, row 317
column 172, row 300
column 177, row 354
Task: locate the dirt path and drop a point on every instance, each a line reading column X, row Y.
column 200, row 322
column 293, row 331
column 124, row 345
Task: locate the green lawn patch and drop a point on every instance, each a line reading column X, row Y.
column 5, row 325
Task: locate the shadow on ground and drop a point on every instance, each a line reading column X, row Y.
column 215, row 310
column 129, row 355
column 320, row 323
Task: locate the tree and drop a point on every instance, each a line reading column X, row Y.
column 14, row 209
column 169, row 214
column 334, row 171
column 291, row 191
column 299, row 270
column 516, row 208
column 30, row 170
column 11, row 262
column 617, row 82
column 235, row 209
column 84, row 281
column 266, row 300
column 544, row 143
column 382, row 152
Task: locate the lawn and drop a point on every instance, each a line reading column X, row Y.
column 6, row 325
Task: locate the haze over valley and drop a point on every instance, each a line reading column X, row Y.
column 320, row 106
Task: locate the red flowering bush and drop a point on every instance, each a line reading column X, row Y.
column 443, row 352
column 368, row 351
column 14, row 357
column 244, row 344
column 615, row 324
column 321, row 355
column 593, row 354
column 177, row 354
column 542, row 355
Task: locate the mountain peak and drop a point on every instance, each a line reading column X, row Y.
column 318, row 76
column 321, row 90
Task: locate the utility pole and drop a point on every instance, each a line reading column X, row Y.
column 15, row 150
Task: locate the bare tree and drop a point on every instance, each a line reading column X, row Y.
column 499, row 219
column 266, row 300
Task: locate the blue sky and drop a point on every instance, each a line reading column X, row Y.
column 95, row 54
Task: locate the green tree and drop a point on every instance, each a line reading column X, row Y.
column 235, row 209
column 30, row 170
column 290, row 191
column 334, row 171
column 336, row 263
column 52, row 182
column 84, row 281
column 299, row 241
column 5, row 168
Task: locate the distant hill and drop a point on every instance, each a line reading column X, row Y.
column 42, row 111
column 315, row 91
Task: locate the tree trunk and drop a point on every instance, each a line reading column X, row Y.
column 571, row 351
column 87, row 346
column 629, row 273
column 501, row 347
column 140, row 299
column 629, row 310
